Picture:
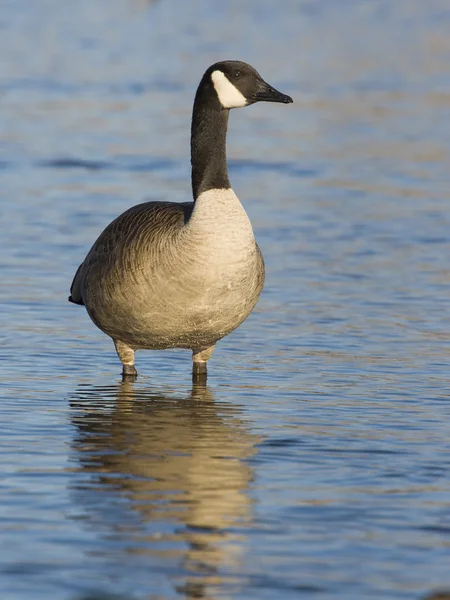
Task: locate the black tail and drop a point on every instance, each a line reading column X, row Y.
column 81, row 303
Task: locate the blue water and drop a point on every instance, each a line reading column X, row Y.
column 316, row 463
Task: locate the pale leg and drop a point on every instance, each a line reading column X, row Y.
column 200, row 357
column 126, row 355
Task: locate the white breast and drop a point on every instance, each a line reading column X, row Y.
column 221, row 226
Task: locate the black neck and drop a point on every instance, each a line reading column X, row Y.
column 208, row 143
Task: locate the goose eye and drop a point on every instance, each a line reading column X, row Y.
column 237, row 74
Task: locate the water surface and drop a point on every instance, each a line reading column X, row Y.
column 316, row 462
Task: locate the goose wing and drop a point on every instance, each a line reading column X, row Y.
column 143, row 224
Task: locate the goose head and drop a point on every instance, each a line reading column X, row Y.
column 233, row 84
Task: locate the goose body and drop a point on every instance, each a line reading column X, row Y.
column 171, row 275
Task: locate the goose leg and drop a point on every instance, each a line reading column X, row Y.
column 126, row 355
column 200, row 357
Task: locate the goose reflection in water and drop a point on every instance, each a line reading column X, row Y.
column 168, row 479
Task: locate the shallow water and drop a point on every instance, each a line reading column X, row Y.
column 316, row 463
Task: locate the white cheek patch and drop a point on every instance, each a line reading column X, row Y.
column 229, row 96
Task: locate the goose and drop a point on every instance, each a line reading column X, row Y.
column 182, row 275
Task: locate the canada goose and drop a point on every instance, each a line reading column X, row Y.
column 171, row 275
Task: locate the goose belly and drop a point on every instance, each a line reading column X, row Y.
column 191, row 309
